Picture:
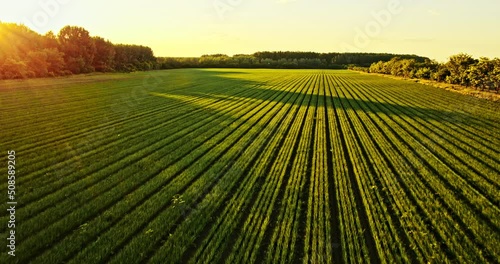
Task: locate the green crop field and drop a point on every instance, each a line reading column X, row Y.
column 249, row 166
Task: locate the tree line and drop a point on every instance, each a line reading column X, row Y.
column 460, row 69
column 27, row 54
column 282, row 60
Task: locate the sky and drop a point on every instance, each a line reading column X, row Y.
column 178, row 28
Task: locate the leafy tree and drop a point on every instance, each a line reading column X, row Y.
column 394, row 67
column 423, row 73
column 478, row 73
column 46, row 62
column 37, row 63
column 408, row 68
column 17, row 40
column 78, row 48
column 55, row 62
column 134, row 57
column 377, row 67
column 458, row 66
column 15, row 69
column 50, row 41
column 104, row 55
column 441, row 73
column 216, row 60
column 494, row 75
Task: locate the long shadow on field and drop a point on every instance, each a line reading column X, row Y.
column 213, row 80
column 361, row 105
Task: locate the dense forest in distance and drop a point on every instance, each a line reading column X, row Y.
column 284, row 60
column 27, row 54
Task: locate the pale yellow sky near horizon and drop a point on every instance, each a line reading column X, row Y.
column 436, row 29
